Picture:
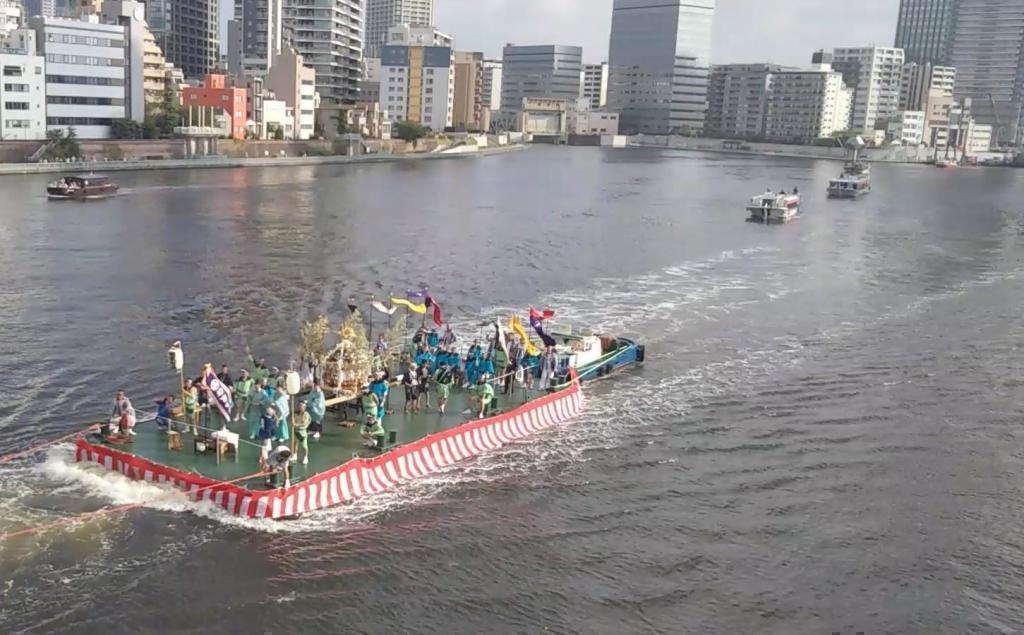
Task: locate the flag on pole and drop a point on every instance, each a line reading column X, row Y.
column 383, row 309
column 537, row 322
column 429, row 302
column 419, row 297
column 415, row 308
column 220, row 394
column 516, row 325
column 501, row 338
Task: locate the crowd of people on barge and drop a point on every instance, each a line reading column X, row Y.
column 427, row 373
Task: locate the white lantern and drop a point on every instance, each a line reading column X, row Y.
column 175, row 357
column 292, row 383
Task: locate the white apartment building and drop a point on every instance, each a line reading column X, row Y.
column 806, row 105
column 907, row 128
column 85, row 73
column 586, row 121
column 738, row 99
column 278, row 116
column 10, row 15
column 594, row 84
column 381, row 15
column 875, row 74
column 491, row 86
column 417, row 76
column 22, row 87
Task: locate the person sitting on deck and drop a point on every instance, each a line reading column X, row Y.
column 191, row 405
column 257, row 405
column 300, row 424
column 369, row 402
column 443, row 384
column 283, row 411
column 379, row 386
column 373, row 433
column 317, row 406
column 484, row 394
column 124, row 413
column 163, row 411
column 411, row 383
column 243, row 388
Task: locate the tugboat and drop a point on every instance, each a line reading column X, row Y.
column 81, row 188
column 773, row 208
column 855, row 180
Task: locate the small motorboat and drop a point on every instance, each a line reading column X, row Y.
column 81, row 188
column 854, row 182
column 773, row 208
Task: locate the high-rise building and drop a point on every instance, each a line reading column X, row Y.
column 23, row 89
column 330, row 40
column 417, row 76
column 468, row 107
column 924, row 29
column 738, row 100
column 44, row 8
column 987, row 50
column 491, row 85
column 549, row 71
column 984, row 41
column 875, row 74
column 86, row 73
column 254, row 36
column 658, row 63
column 806, row 105
column 186, row 31
column 594, row 84
column 920, row 79
column 381, row 15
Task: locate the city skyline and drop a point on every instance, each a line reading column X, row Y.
column 797, row 27
column 802, row 26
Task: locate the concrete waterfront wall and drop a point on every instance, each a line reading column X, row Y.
column 236, row 162
column 891, row 154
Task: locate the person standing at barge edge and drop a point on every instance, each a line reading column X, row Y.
column 300, row 426
column 243, row 387
column 124, row 412
column 317, row 406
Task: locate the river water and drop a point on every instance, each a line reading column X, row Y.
column 825, row 437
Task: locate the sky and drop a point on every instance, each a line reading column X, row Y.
column 780, row 31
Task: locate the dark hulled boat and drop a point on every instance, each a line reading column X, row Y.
column 81, row 188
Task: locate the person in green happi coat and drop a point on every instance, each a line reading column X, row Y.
column 243, row 387
column 283, row 409
column 256, row 408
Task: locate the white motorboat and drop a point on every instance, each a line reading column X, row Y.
column 773, row 208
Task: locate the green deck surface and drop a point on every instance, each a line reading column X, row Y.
column 336, row 445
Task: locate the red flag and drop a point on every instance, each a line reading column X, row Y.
column 546, row 314
column 437, row 313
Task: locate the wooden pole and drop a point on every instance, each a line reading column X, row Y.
column 371, row 322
